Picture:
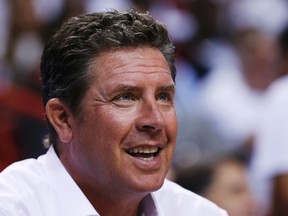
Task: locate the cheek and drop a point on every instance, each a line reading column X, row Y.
column 172, row 126
column 110, row 126
column 171, row 130
column 175, row 124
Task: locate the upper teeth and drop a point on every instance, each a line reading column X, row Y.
column 146, row 149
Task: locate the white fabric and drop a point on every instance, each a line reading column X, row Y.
column 253, row 13
column 271, row 143
column 231, row 104
column 43, row 187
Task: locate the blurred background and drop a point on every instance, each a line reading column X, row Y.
column 231, row 98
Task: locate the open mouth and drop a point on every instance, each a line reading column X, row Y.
column 147, row 153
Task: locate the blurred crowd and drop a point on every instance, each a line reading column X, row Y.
column 231, row 98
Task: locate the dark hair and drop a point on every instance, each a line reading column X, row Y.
column 199, row 177
column 283, row 41
column 196, row 178
column 67, row 55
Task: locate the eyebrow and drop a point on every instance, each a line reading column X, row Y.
column 123, row 87
column 168, row 88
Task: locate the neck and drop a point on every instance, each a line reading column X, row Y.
column 107, row 200
column 114, row 205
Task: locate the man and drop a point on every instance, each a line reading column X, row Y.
column 269, row 168
column 108, row 89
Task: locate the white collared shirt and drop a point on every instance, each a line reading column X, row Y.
column 271, row 139
column 43, row 187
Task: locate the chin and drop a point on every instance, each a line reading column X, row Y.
column 150, row 184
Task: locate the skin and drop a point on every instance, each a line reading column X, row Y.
column 130, row 104
column 280, row 196
column 262, row 65
column 230, row 189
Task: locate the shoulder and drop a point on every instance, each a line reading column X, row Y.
column 20, row 183
column 278, row 90
column 21, row 174
column 175, row 200
column 41, row 187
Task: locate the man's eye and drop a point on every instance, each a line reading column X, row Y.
column 124, row 97
column 163, row 97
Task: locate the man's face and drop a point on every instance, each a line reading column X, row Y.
column 126, row 139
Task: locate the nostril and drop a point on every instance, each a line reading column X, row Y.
column 148, row 127
column 151, row 127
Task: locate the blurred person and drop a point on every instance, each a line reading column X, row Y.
column 9, row 151
column 209, row 47
column 66, row 10
column 202, row 50
column 230, row 82
column 22, row 121
column 224, row 181
column 232, row 96
column 23, row 125
column 24, row 38
column 260, row 58
column 108, row 90
column 222, row 111
column 253, row 14
column 269, row 168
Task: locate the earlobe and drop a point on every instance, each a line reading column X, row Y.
column 58, row 115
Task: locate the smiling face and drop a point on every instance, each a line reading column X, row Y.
column 126, row 138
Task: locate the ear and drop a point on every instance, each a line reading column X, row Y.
column 58, row 115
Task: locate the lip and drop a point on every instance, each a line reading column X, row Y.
column 147, row 165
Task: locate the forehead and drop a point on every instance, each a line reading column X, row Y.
column 129, row 60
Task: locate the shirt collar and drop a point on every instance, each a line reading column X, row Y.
column 71, row 195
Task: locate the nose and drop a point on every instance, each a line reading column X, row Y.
column 150, row 117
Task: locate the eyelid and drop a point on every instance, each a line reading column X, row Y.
column 120, row 96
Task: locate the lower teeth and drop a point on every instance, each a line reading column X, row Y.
column 148, row 159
